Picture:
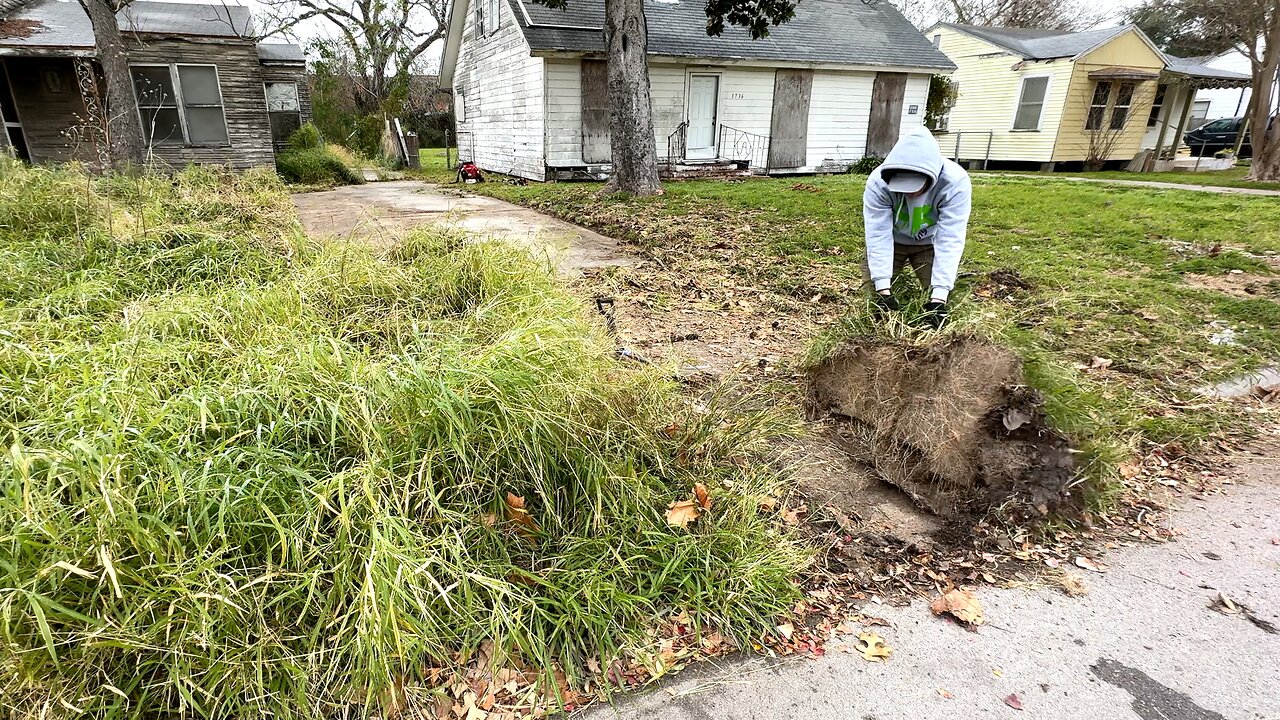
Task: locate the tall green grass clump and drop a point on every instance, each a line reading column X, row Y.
column 246, row 476
column 307, row 160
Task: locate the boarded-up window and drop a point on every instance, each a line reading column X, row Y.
column 1031, row 103
column 180, row 104
column 284, row 109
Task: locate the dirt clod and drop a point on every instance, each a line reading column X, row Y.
column 953, row 424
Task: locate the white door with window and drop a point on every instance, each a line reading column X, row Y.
column 704, row 94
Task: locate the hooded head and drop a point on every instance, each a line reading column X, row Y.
column 914, row 163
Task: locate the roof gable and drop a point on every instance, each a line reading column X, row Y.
column 1036, row 44
column 842, row 32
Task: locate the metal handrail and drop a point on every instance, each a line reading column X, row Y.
column 743, row 146
column 677, row 143
column 990, row 137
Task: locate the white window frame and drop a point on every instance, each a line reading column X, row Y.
column 1117, row 89
column 1104, row 120
column 1157, row 105
column 1017, row 105
column 176, row 82
column 493, row 16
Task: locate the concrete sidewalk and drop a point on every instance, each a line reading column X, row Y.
column 1141, row 183
column 383, row 212
column 1144, row 642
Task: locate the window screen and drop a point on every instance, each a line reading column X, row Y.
column 202, row 101
column 1031, row 103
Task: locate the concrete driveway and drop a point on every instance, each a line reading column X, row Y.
column 382, row 212
column 1143, row 644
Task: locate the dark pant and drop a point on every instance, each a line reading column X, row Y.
column 919, row 257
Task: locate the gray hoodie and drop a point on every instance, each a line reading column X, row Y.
column 938, row 217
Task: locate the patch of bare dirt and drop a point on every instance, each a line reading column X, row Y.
column 1237, row 284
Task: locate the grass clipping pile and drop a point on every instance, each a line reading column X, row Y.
column 951, row 423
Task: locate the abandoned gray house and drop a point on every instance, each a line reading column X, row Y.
column 837, row 82
column 206, row 90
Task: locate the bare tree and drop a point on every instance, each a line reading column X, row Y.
column 123, row 125
column 1039, row 14
column 384, row 39
column 1109, row 125
column 1253, row 26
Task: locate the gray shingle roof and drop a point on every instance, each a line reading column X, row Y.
column 63, row 24
column 1192, row 68
column 846, row 32
column 1040, row 44
column 280, row 53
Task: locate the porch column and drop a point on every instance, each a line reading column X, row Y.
column 1182, row 124
column 1164, row 125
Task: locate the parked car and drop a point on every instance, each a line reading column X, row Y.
column 1218, row 135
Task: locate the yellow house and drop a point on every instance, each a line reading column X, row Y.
column 1048, row 97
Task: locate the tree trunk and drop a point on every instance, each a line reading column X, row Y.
column 1266, row 134
column 634, row 150
column 124, row 126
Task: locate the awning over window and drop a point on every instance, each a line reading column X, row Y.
column 1124, row 73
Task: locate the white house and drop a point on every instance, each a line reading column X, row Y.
column 836, row 83
column 1234, row 102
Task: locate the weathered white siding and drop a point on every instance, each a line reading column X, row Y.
column 838, row 111
column 989, row 90
column 500, row 91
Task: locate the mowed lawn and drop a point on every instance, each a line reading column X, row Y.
column 1236, row 177
column 1144, row 295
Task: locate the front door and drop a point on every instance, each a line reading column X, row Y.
column 10, row 126
column 704, row 93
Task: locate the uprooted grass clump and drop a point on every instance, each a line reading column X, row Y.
column 246, row 475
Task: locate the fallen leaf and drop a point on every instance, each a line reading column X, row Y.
column 1090, row 565
column 703, row 497
column 960, row 604
column 870, row 621
column 671, row 430
column 1014, row 702
column 1073, row 585
column 945, row 693
column 787, row 630
column 517, row 513
column 768, row 504
column 1129, row 470
column 873, row 648
column 792, row 517
column 680, row 514
column 1100, row 363
column 1147, row 315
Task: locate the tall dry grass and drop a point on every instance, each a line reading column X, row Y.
column 248, row 475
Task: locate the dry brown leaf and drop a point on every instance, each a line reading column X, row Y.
column 680, row 514
column 1100, row 363
column 1073, row 585
column 792, row 517
column 1129, row 470
column 1014, row 702
column 787, row 630
column 1090, row 565
column 873, row 648
column 517, row 513
column 768, row 504
column 960, row 604
column 702, row 496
